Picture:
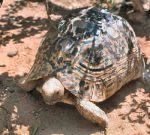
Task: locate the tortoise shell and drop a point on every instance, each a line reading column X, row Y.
column 93, row 55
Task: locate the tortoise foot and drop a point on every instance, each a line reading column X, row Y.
column 92, row 112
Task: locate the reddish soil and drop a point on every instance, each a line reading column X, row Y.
column 22, row 27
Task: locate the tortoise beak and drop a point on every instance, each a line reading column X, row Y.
column 52, row 102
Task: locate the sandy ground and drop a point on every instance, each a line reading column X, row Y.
column 22, row 26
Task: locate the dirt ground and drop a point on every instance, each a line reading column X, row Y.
column 22, row 26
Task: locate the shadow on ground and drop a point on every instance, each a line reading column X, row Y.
column 23, row 111
column 132, row 103
column 142, row 27
column 25, row 26
column 27, row 110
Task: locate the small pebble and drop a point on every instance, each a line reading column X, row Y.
column 36, row 114
column 33, row 112
column 12, row 53
column 7, row 89
column 11, row 90
column 2, row 65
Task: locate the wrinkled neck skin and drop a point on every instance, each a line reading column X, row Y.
column 69, row 98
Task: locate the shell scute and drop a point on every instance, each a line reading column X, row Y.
column 95, row 54
column 106, row 58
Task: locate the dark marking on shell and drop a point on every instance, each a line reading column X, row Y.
column 82, row 83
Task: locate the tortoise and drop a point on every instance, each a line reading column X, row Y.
column 88, row 59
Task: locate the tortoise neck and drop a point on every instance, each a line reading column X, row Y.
column 69, row 98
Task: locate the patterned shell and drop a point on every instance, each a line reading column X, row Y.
column 94, row 54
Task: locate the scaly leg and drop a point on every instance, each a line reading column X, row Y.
column 92, row 112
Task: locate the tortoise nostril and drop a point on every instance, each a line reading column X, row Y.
column 57, row 92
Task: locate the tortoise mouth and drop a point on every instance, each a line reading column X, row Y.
column 52, row 101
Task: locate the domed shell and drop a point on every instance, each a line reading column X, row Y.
column 103, row 54
column 94, row 54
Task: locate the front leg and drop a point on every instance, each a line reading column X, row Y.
column 92, row 112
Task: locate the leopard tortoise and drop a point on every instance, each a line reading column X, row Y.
column 89, row 58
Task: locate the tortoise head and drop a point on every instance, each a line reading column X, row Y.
column 52, row 91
